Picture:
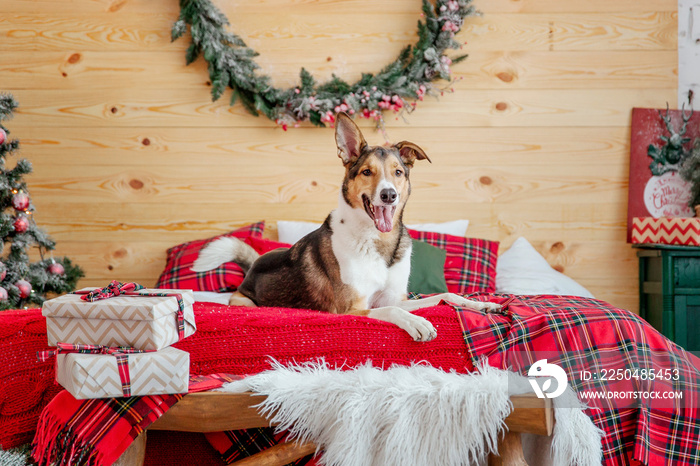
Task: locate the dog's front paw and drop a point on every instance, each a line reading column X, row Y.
column 418, row 327
column 491, row 308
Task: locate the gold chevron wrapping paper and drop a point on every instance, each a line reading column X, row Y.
column 145, row 323
column 97, row 376
column 681, row 231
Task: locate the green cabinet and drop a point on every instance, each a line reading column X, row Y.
column 669, row 291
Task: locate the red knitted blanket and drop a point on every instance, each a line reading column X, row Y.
column 229, row 340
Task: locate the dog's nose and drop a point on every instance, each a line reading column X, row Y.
column 388, row 195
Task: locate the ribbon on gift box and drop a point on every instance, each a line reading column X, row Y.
column 120, row 352
column 116, row 288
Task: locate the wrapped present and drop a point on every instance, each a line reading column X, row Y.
column 124, row 315
column 681, row 231
column 95, row 371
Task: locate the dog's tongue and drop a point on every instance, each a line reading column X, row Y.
column 383, row 216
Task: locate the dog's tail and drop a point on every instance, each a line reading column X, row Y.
column 222, row 250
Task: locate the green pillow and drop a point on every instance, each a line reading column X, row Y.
column 427, row 269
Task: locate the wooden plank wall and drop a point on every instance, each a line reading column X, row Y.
column 131, row 156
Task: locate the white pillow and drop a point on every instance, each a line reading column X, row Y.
column 211, row 297
column 522, row 270
column 454, row 228
column 291, row 232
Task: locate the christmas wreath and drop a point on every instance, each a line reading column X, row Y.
column 397, row 87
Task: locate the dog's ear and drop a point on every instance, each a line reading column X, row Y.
column 410, row 152
column 348, row 138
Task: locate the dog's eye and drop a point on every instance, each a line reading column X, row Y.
column 399, row 173
column 367, row 172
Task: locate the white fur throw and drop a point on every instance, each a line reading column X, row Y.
column 407, row 415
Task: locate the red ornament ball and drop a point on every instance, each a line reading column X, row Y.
column 3, row 137
column 56, row 269
column 20, row 201
column 21, row 224
column 3, row 271
column 3, row 294
column 25, row 288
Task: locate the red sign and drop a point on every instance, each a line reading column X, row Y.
column 657, row 196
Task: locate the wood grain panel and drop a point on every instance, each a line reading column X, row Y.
column 558, row 6
column 343, row 6
column 637, row 30
column 581, row 31
column 150, row 148
column 483, row 70
column 567, row 70
column 193, row 107
column 288, row 184
column 75, row 69
column 123, row 260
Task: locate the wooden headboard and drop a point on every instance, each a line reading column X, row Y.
column 131, row 156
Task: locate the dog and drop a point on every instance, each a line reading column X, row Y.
column 358, row 261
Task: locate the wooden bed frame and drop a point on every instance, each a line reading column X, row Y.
column 218, row 411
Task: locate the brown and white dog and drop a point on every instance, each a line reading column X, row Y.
column 359, row 260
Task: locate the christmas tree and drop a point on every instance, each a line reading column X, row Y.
column 690, row 172
column 23, row 283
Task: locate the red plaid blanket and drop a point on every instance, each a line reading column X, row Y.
column 628, row 373
column 234, row 445
column 96, row 432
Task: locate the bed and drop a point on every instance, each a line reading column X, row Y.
column 580, row 333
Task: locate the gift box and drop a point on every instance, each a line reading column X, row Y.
column 149, row 373
column 681, row 231
column 142, row 322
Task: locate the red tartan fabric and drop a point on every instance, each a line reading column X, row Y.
column 234, row 445
column 178, row 274
column 470, row 265
column 582, row 334
column 96, row 432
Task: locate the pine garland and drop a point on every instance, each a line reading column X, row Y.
column 397, row 87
